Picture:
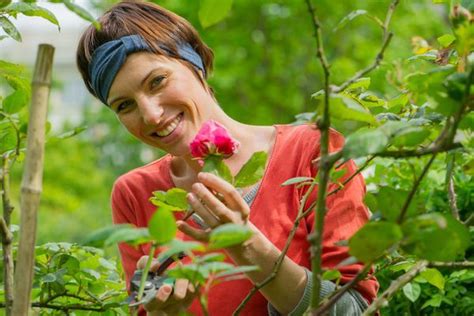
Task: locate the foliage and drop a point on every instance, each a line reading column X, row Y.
column 414, row 98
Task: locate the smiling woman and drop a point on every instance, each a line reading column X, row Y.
column 150, row 67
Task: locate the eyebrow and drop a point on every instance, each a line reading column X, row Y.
column 141, row 83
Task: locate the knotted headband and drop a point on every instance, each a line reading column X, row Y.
column 109, row 57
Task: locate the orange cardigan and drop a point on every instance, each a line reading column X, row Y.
column 273, row 211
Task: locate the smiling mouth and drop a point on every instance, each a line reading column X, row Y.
column 169, row 129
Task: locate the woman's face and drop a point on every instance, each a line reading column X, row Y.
column 160, row 101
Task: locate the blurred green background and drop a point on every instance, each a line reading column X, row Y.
column 265, row 72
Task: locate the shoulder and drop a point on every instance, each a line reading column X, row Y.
column 152, row 176
column 307, row 137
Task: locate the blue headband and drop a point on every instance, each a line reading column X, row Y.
column 109, row 58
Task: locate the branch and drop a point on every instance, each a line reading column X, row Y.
column 337, row 294
column 414, row 189
column 65, row 308
column 454, row 265
column 469, row 220
column 324, row 167
column 395, row 286
column 450, row 185
column 387, row 36
column 7, row 238
column 300, row 216
column 437, row 148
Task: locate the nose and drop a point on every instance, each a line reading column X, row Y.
column 150, row 110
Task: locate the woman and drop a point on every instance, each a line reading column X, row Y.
column 150, row 67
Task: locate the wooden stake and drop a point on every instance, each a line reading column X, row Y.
column 31, row 184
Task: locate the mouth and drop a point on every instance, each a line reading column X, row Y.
column 170, row 127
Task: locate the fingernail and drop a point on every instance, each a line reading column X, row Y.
column 166, row 289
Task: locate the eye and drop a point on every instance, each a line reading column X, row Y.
column 155, row 82
column 123, row 106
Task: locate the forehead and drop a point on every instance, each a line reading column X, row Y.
column 138, row 66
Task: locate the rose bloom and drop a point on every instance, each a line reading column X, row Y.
column 213, row 139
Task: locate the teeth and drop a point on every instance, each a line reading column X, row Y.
column 170, row 128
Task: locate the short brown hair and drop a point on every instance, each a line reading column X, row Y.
column 155, row 24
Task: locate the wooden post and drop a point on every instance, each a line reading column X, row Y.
column 31, row 184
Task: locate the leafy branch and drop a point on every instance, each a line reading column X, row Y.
column 327, row 160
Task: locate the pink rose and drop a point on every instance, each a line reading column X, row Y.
column 213, row 139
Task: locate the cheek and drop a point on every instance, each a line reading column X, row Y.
column 130, row 123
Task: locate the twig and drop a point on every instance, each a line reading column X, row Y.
column 387, row 36
column 324, row 165
column 454, row 265
column 7, row 238
column 450, row 185
column 469, row 220
column 420, row 152
column 414, row 189
column 395, row 286
column 32, row 179
column 301, row 214
column 337, row 294
column 66, row 308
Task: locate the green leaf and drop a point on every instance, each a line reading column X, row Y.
column 228, row 235
column 435, row 301
column 390, row 202
column 211, row 257
column 8, row 137
column 434, row 277
column 411, row 137
column 81, row 12
column 446, row 40
column 360, row 85
column 31, row 9
column 346, row 108
column 364, row 142
column 193, row 272
column 351, row 16
column 216, row 165
column 98, row 237
column 15, row 101
column 213, row 11
column 176, row 246
column 49, row 278
column 252, row 171
column 435, row 237
column 162, row 226
column 412, row 291
column 296, row 180
column 237, row 270
column 10, row 28
column 373, row 239
column 130, row 235
column 396, row 104
column 331, row 275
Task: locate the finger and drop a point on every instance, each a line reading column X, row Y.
column 161, row 298
column 195, row 233
column 180, row 289
column 202, row 210
column 215, row 206
column 141, row 263
column 230, row 194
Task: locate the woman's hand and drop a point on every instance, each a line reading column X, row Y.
column 169, row 300
column 217, row 202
